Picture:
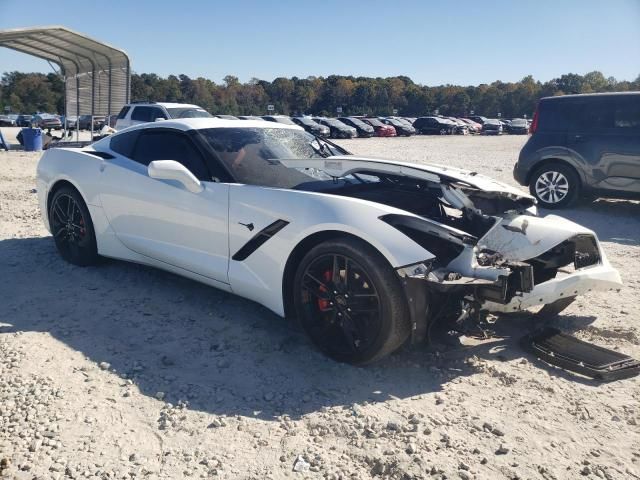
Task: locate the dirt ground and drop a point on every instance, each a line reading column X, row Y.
column 123, row 371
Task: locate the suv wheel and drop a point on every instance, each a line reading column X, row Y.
column 555, row 185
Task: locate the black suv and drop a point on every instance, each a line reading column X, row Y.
column 582, row 145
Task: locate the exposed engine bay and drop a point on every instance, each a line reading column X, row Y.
column 491, row 252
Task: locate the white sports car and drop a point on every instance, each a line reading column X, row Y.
column 364, row 253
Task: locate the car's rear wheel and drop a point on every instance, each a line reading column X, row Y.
column 555, row 186
column 72, row 228
column 350, row 302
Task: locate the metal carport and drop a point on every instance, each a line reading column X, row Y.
column 97, row 76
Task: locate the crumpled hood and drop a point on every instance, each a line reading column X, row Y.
column 472, row 183
column 522, row 237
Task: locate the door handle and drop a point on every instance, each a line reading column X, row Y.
column 578, row 138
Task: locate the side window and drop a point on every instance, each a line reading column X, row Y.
column 165, row 145
column 157, row 113
column 123, row 112
column 597, row 114
column 141, row 114
column 627, row 113
column 123, row 143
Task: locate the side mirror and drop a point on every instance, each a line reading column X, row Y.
column 172, row 170
column 159, row 119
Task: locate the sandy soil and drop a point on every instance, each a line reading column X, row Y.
column 122, row 371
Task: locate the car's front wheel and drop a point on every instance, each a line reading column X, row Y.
column 555, row 186
column 350, row 302
column 72, row 228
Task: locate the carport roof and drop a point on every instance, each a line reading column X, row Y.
column 101, row 72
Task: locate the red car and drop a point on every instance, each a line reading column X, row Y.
column 381, row 129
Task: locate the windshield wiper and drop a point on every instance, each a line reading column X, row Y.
column 321, row 149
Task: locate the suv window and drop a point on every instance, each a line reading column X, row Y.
column 167, row 145
column 147, row 114
column 123, row 112
column 627, row 112
column 123, row 143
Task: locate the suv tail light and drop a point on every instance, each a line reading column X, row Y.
column 534, row 122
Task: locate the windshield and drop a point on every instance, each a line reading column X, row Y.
column 518, row 122
column 306, row 121
column 188, row 112
column 333, row 122
column 283, row 120
column 252, row 154
column 359, row 123
column 374, row 122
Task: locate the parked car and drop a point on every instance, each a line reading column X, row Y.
column 71, row 122
column 226, row 117
column 582, row 145
column 208, row 202
column 473, row 126
column 363, row 129
column 461, row 128
column 492, row 126
column 24, row 120
column 84, row 122
column 143, row 112
column 380, row 128
column 477, row 118
column 279, row 119
column 518, row 126
column 5, row 121
column 312, row 126
column 47, row 121
column 336, row 127
column 402, row 128
column 434, row 126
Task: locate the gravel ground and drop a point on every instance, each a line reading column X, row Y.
column 122, row 371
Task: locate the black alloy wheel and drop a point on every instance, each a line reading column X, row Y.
column 350, row 304
column 72, row 228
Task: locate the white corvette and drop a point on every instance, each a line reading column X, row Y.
column 364, row 253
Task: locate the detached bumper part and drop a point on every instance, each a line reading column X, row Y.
column 573, row 354
column 597, row 278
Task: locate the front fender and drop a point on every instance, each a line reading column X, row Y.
column 259, row 276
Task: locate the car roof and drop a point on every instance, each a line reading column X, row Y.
column 165, row 105
column 186, row 124
column 588, row 95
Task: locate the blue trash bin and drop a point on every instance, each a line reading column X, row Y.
column 32, row 138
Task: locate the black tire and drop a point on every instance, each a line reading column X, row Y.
column 72, row 228
column 563, row 178
column 357, row 315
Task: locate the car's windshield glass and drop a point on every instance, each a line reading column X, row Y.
column 333, row 122
column 252, row 154
column 306, row 121
column 358, row 122
column 375, row 122
column 518, row 121
column 188, row 112
column 283, row 120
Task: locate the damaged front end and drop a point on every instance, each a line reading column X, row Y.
column 520, row 261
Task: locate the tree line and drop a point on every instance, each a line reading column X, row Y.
column 33, row 92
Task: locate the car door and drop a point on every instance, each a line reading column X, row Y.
column 161, row 219
column 604, row 136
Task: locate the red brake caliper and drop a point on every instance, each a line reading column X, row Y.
column 323, row 304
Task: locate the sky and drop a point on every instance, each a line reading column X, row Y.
column 437, row 42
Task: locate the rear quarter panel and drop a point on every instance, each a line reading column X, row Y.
column 72, row 165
